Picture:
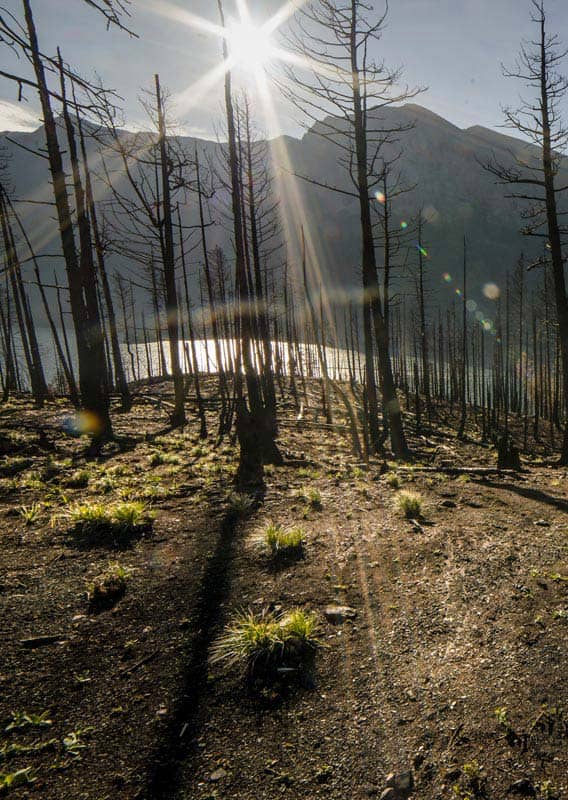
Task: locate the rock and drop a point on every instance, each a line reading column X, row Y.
column 542, row 523
column 218, row 775
column 402, row 783
column 448, row 504
column 338, row 614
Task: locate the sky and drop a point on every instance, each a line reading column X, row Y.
column 453, row 47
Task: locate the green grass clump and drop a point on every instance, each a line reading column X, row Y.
column 130, row 514
column 410, row 503
column 283, row 542
column 89, row 515
column 393, row 480
column 268, row 644
column 78, row 479
column 11, row 780
column 311, row 496
column 21, row 719
column 117, row 522
column 240, row 504
column 30, row 514
column 158, row 458
column 300, row 626
column 108, row 587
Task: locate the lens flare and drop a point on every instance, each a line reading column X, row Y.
column 479, row 316
column 84, row 422
column 447, row 277
column 471, row 305
column 380, row 197
column 491, row 291
column 422, row 250
column 404, row 225
column 459, row 292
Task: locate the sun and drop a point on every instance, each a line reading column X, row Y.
column 250, row 46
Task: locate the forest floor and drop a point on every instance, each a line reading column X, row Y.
column 449, row 659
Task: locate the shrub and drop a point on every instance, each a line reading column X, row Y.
column 410, row 503
column 108, row 587
column 284, row 542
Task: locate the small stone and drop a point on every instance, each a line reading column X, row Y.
column 338, row 614
column 218, row 775
column 401, row 782
column 448, row 504
column 543, row 523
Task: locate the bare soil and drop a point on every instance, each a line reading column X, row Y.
column 452, row 662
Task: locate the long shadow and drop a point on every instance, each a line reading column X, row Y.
column 530, row 494
column 164, row 779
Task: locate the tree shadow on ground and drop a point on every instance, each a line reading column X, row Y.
column 531, row 494
column 175, row 750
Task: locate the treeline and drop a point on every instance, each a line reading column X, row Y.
column 264, row 306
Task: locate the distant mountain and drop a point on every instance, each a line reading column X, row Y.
column 442, row 161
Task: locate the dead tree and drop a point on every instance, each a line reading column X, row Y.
column 335, row 39
column 534, row 180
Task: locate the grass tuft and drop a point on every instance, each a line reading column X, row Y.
column 240, row 504
column 30, row 514
column 311, row 496
column 118, row 522
column 410, row 503
column 283, row 542
column 268, row 644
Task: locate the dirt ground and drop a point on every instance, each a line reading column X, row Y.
column 450, row 660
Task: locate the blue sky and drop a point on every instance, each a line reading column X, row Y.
column 454, row 47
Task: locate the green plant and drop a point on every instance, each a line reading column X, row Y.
column 472, row 783
column 240, row 504
column 502, row 715
column 78, row 479
column 14, row 779
column 546, row 790
column 13, row 749
column 21, row 719
column 249, row 638
column 264, row 642
column 129, row 515
column 89, row 516
column 311, row 496
column 30, row 514
column 301, row 626
column 393, row 480
column 109, row 587
column 410, row 503
column 73, row 743
column 118, row 521
column 283, row 542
